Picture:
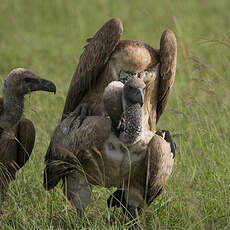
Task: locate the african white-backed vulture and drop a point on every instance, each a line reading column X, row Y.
column 131, row 159
column 79, row 143
column 17, row 134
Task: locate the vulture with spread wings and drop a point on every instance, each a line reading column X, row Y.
column 82, row 143
column 106, row 58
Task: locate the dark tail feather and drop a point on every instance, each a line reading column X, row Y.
column 54, row 172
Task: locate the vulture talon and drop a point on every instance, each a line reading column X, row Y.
column 169, row 138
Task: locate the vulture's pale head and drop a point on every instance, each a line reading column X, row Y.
column 22, row 81
column 134, row 91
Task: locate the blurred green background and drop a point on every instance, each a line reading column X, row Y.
column 47, row 37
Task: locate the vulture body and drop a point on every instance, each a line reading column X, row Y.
column 85, row 150
column 94, row 154
column 17, row 134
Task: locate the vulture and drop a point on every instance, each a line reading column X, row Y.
column 129, row 158
column 93, row 143
column 17, row 134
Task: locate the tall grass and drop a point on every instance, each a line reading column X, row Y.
column 47, row 37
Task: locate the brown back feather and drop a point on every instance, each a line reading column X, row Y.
column 92, row 62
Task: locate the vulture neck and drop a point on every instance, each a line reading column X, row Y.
column 13, row 106
column 133, row 122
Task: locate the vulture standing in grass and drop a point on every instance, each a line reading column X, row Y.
column 17, row 134
column 90, row 144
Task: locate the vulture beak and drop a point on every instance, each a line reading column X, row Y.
column 43, row 85
column 140, row 97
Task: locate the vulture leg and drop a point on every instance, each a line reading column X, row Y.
column 26, row 138
column 78, row 191
column 117, row 199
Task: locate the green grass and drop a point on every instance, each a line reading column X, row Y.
column 47, row 37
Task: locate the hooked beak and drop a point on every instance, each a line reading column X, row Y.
column 43, row 85
column 140, row 97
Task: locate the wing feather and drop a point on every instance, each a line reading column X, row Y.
column 92, row 62
column 159, row 164
column 26, row 137
column 168, row 55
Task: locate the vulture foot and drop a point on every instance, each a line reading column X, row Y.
column 117, row 199
column 169, row 138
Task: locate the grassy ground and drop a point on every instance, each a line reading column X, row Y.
column 47, row 37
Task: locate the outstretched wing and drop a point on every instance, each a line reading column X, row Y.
column 168, row 55
column 92, row 62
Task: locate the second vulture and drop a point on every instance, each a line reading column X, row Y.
column 17, row 134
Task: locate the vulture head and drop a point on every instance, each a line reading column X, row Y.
column 18, row 83
column 134, row 91
column 22, row 81
column 126, row 99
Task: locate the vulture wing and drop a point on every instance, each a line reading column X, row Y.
column 168, row 54
column 92, row 62
column 26, row 138
column 14, row 154
column 159, row 163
